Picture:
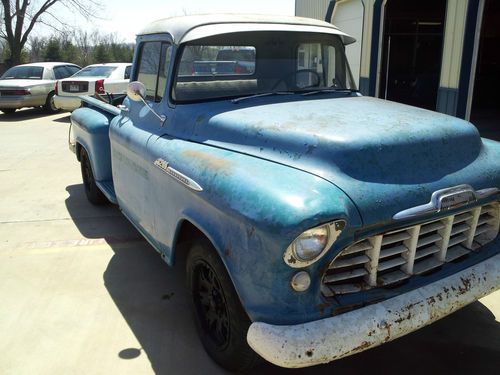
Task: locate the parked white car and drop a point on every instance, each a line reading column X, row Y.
column 32, row 85
column 101, row 79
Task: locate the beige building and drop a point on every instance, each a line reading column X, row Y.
column 437, row 54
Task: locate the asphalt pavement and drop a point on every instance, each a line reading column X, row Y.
column 82, row 293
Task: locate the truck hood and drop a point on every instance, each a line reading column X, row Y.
column 385, row 156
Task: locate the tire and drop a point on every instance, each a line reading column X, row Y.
column 8, row 111
column 92, row 191
column 221, row 321
column 49, row 106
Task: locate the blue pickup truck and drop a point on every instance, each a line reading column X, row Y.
column 316, row 223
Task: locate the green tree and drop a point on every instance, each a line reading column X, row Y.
column 53, row 50
column 101, row 54
column 69, row 52
column 21, row 16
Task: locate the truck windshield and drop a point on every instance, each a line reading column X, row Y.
column 254, row 63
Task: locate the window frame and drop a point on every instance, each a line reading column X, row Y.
column 136, row 71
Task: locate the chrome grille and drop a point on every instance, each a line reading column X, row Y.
column 390, row 258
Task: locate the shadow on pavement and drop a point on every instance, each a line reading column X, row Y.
column 150, row 295
column 153, row 300
column 64, row 120
column 24, row 115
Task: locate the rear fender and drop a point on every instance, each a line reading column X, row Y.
column 91, row 131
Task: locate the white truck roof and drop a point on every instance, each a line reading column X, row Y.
column 187, row 28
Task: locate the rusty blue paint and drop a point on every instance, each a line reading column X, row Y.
column 273, row 167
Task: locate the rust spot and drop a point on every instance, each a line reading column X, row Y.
column 386, row 326
column 402, row 318
column 250, row 231
column 227, row 252
column 321, row 307
column 364, row 345
column 210, row 161
column 310, row 352
column 466, row 285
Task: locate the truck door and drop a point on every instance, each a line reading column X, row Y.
column 133, row 132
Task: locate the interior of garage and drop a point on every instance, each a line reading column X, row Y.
column 485, row 110
column 412, row 51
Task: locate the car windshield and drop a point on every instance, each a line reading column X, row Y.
column 24, row 72
column 95, row 71
column 255, row 63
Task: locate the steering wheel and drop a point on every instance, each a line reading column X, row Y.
column 295, row 74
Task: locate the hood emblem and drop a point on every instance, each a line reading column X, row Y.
column 447, row 199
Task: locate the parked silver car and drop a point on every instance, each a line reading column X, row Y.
column 32, row 85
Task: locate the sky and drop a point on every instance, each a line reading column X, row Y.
column 127, row 17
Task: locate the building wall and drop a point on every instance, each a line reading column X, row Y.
column 461, row 24
column 348, row 17
column 454, row 32
column 311, row 8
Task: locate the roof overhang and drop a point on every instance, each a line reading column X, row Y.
column 189, row 28
column 219, row 29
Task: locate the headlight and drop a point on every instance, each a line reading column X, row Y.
column 312, row 244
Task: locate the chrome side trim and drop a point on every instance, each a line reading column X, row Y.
column 180, row 177
column 447, row 199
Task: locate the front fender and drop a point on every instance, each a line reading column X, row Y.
column 251, row 210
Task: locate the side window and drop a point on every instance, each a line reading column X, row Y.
column 153, row 68
column 60, row 72
column 72, row 69
column 128, row 69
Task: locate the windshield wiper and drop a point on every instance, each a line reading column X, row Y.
column 329, row 90
column 237, row 100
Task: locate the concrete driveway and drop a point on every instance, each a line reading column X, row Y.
column 82, row 293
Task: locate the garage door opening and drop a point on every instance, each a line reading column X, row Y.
column 412, row 51
column 485, row 110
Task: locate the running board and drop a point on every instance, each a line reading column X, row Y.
column 108, row 190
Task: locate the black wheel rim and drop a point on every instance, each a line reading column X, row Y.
column 211, row 305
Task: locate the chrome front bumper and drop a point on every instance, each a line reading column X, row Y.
column 332, row 338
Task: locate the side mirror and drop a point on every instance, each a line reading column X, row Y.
column 136, row 91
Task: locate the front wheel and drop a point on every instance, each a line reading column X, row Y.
column 220, row 319
column 92, row 191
